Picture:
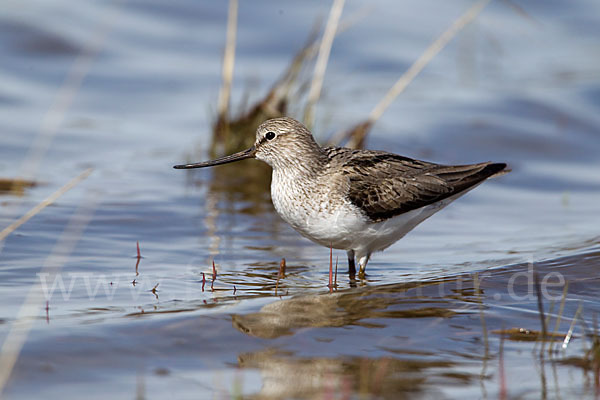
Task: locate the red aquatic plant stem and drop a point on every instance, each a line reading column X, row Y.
column 203, row 281
column 139, row 254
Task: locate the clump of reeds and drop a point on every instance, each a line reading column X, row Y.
column 232, row 133
column 15, row 186
column 235, row 132
column 45, row 203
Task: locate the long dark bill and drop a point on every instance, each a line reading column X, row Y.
column 242, row 155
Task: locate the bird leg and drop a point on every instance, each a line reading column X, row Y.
column 362, row 263
column 351, row 265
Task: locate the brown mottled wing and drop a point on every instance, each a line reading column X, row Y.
column 384, row 185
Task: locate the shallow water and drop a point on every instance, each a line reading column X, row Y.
column 520, row 85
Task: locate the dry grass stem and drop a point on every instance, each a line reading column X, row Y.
column 313, row 45
column 228, row 59
column 140, row 387
column 357, row 135
column 322, row 59
column 561, row 309
column 34, row 300
column 45, row 203
column 572, row 327
column 234, row 133
column 55, row 115
column 64, row 98
column 521, row 11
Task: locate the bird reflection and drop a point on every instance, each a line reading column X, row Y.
column 286, row 376
column 353, row 307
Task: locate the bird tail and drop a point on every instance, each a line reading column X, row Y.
column 498, row 169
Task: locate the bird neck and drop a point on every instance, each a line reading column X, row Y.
column 310, row 164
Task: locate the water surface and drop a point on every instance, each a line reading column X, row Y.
column 520, row 85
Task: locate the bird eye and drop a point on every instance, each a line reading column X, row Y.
column 270, row 135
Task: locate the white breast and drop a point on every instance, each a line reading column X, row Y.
column 311, row 211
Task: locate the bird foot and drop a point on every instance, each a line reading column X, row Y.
column 362, row 274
